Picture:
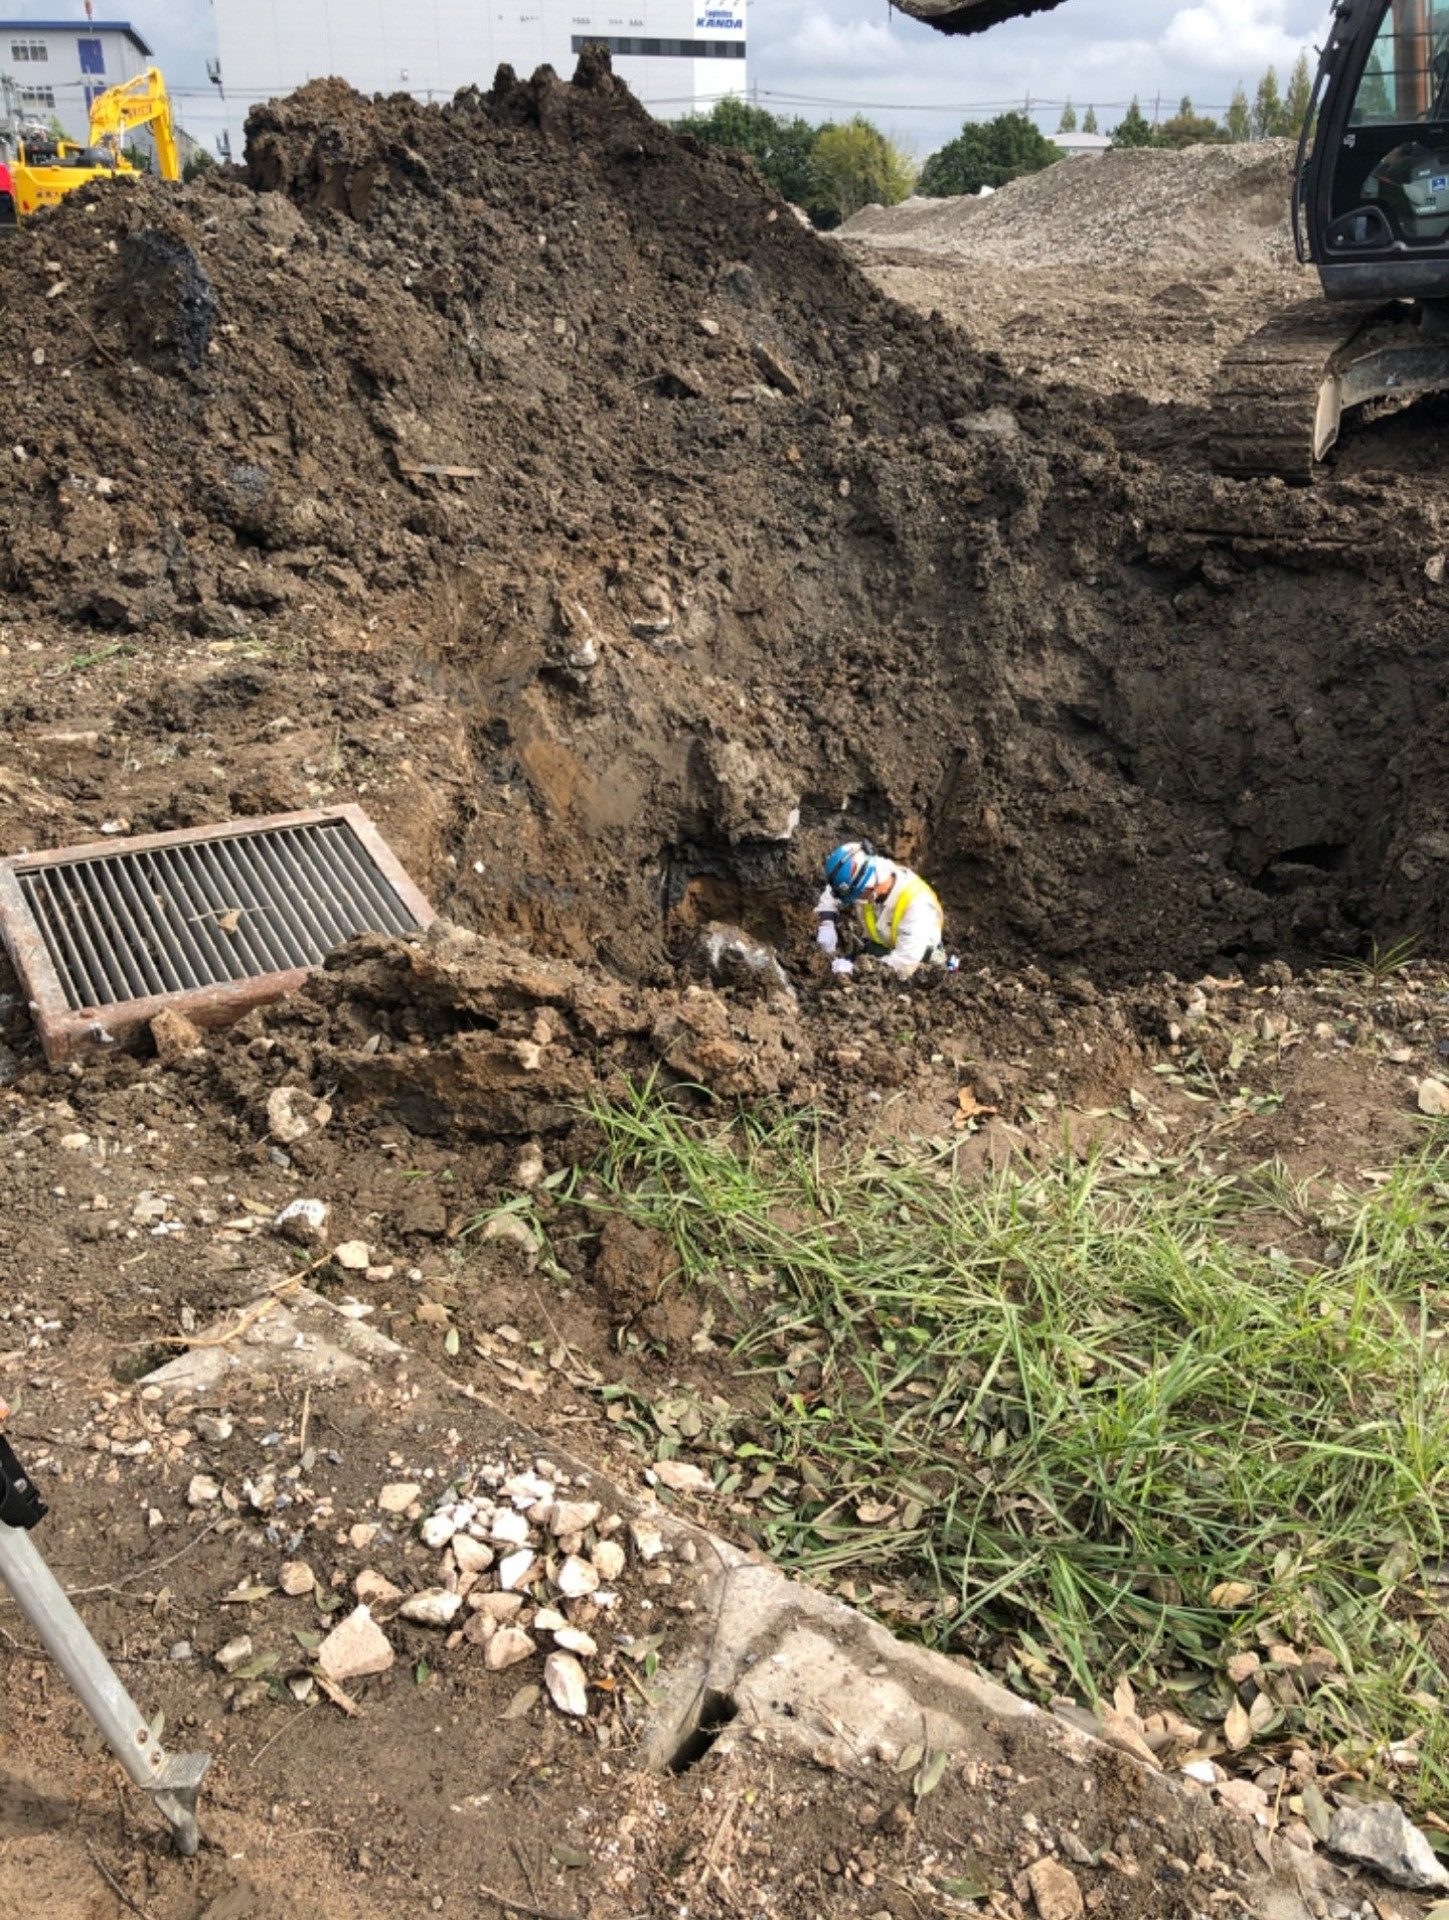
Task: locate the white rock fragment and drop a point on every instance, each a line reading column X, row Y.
column 202, row 1490
column 399, row 1496
column 498, row 1606
column 647, row 1538
column 576, row 1577
column 374, row 1590
column 296, row 1578
column 355, row 1648
column 293, row 1113
column 354, row 1255
column 507, row 1647
column 607, row 1559
column 548, row 1620
column 516, row 1569
column 681, row 1476
column 567, row 1687
column 438, row 1529
column 302, row 1221
column 470, row 1555
column 526, row 1489
column 572, row 1516
column 435, row 1608
column 1203, row 1771
column 575, row 1640
column 1434, row 1099
column 231, row 1656
column 509, row 1529
column 1381, row 1837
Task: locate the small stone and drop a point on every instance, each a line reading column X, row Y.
column 507, row 1647
column 1242, row 1666
column 548, row 1620
column 398, row 1496
column 361, row 1536
column 435, row 1608
column 1202, row 1771
column 528, row 1168
column 302, row 1222
column 74, row 1142
column 509, row 1529
column 174, row 1035
column 375, row 1590
column 572, row 1516
column 567, row 1686
column 648, row 1539
column 470, row 1555
column 1055, row 1891
column 353, row 1255
column 234, row 1653
column 293, row 1113
column 1434, row 1099
column 297, row 1578
column 681, row 1476
column 1381, row 1837
column 438, row 1529
column 355, row 1648
column 607, row 1559
column 573, row 1640
column 498, row 1606
column 202, row 1490
column 1243, row 1798
column 576, row 1578
column 515, row 1570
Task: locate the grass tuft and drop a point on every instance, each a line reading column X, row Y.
column 1055, row 1413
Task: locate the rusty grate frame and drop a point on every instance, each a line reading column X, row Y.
column 66, row 1031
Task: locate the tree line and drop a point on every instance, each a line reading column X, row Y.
column 834, row 170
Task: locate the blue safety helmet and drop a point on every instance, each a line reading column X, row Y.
column 849, row 871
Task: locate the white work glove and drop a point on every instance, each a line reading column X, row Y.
column 827, row 936
column 842, row 966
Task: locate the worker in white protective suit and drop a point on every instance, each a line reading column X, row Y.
column 895, row 911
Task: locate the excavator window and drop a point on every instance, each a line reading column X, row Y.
column 1391, row 181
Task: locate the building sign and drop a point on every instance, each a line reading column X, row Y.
column 712, row 19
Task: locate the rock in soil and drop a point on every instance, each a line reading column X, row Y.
column 1383, row 1838
column 355, row 1648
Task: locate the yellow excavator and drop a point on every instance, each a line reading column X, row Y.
column 45, row 170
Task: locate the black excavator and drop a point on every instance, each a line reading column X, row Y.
column 1370, row 211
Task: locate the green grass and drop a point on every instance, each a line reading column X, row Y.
column 1088, row 1397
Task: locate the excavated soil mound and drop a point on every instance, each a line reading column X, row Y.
column 533, row 475
column 1203, row 206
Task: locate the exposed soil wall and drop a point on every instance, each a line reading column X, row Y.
column 729, row 556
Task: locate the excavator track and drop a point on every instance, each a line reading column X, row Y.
column 1280, row 397
column 1270, row 390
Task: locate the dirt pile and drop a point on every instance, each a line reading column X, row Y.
column 534, row 476
column 1200, row 207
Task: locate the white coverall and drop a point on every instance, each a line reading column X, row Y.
column 909, row 940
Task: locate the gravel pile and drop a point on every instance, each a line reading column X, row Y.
column 1203, row 204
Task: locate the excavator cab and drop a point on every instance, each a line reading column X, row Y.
column 1373, row 185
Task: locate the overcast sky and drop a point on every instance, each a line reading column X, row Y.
column 823, row 58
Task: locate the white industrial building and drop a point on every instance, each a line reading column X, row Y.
column 57, row 67
column 677, row 56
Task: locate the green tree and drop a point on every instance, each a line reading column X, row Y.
column 855, row 165
column 781, row 149
column 1267, row 107
column 988, row 153
column 1374, row 102
column 1089, row 125
column 1189, row 129
column 1239, row 122
column 1134, row 129
column 1068, row 121
column 1298, row 97
column 199, row 163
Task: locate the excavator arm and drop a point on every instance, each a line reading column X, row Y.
column 137, row 103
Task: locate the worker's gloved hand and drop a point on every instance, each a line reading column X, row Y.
column 827, row 936
column 842, row 966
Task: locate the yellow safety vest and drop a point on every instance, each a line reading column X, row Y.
column 910, row 893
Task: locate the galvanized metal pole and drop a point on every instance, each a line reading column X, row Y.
column 172, row 1780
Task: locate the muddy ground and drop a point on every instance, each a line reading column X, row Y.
column 735, row 539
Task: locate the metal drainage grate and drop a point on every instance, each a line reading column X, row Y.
column 212, row 922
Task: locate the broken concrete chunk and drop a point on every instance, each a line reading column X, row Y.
column 373, row 1590
column 681, row 1476
column 572, row 1516
column 607, row 1559
column 567, row 1686
column 302, row 1222
column 435, row 1608
column 573, row 1640
column 470, row 1555
column 174, row 1035
column 647, row 1538
column 398, row 1496
column 1381, row 1837
column 576, row 1577
column 234, row 1653
column 202, row 1490
column 517, row 1569
column 355, row 1648
column 293, row 1113
column 354, row 1255
column 507, row 1647
column 297, row 1578
column 1055, row 1891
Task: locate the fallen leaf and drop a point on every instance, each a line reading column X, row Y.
column 1237, row 1728
column 1316, row 1813
column 244, row 1596
column 911, row 1758
column 230, row 920
column 870, row 1513
column 970, row 1108
column 523, row 1702
column 931, row 1775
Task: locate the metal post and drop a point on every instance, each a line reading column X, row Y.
column 172, row 1780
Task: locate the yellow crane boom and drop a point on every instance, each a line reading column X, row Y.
column 140, row 102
